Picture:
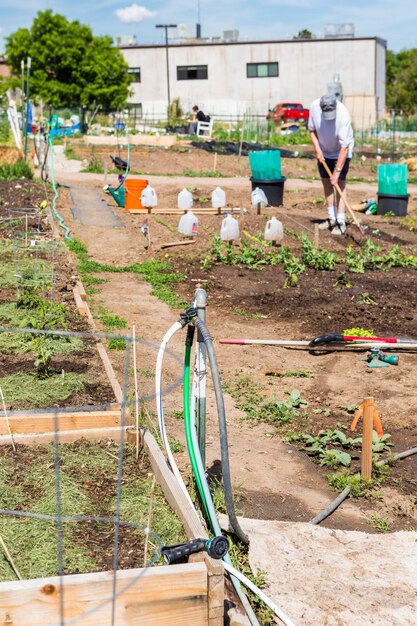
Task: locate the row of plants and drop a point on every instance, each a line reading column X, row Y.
column 332, row 447
column 255, row 255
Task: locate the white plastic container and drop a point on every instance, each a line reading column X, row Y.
column 149, row 197
column 218, row 198
column 259, row 197
column 188, row 224
column 274, row 231
column 185, row 200
column 229, row 230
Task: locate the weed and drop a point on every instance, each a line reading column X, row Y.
column 382, row 524
column 95, row 164
column 318, row 200
column 13, row 171
column 116, row 343
column 176, row 445
column 171, row 228
column 111, row 322
column 298, row 374
column 205, row 174
column 365, row 298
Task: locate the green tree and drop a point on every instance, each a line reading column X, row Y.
column 304, row 34
column 70, row 66
column 401, row 80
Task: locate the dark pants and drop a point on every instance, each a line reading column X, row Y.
column 331, row 164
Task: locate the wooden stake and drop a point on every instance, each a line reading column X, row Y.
column 215, row 162
column 368, row 414
column 26, row 231
column 9, row 558
column 316, row 236
column 135, row 376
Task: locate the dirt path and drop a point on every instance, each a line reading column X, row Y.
column 275, row 482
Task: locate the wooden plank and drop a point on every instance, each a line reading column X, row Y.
column 172, row 491
column 81, row 290
column 45, row 422
column 171, row 244
column 215, row 572
column 81, row 305
column 68, row 436
column 163, row 596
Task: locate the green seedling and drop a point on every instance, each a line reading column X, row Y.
column 366, row 298
column 382, row 524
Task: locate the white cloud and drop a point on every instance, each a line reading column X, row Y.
column 134, row 13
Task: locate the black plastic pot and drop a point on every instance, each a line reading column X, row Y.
column 390, row 203
column 273, row 189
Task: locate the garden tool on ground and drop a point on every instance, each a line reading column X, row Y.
column 376, row 358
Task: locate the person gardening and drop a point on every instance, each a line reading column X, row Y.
column 332, row 137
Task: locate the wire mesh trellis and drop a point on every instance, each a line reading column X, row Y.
column 57, row 521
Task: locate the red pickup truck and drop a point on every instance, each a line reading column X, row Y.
column 288, row 112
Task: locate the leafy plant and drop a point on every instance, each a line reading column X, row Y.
column 382, row 524
column 317, row 259
column 366, row 298
column 381, row 444
column 13, row 171
column 358, row 332
column 334, row 458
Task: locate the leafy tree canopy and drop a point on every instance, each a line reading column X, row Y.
column 70, row 66
column 304, row 34
column 402, row 80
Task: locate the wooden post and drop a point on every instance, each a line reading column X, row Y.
column 258, row 209
column 316, row 236
column 215, row 162
column 105, row 172
column 368, row 414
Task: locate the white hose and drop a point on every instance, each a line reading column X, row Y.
column 248, row 583
column 160, row 411
column 159, row 407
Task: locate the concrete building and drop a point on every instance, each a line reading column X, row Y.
column 228, row 79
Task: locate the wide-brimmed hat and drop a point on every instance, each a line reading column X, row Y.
column 328, row 104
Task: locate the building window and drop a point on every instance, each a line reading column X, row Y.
column 192, row 72
column 261, row 70
column 135, row 74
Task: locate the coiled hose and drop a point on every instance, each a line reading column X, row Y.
column 227, row 484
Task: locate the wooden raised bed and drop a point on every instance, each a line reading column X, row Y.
column 191, row 593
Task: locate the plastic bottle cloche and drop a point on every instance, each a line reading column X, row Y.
column 274, row 230
column 185, row 200
column 218, row 198
column 229, row 230
column 148, row 197
column 188, row 224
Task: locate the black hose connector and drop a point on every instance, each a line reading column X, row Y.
column 324, row 339
column 187, row 316
column 190, row 336
column 227, row 483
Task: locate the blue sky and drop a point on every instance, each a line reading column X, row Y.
column 255, row 19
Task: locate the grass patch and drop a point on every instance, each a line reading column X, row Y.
column 156, row 272
column 204, row 174
column 13, row 171
column 25, row 390
column 29, row 484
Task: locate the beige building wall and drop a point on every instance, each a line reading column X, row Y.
column 305, row 69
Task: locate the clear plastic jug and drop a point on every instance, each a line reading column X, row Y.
column 259, row 197
column 229, row 230
column 218, row 198
column 188, row 224
column 149, row 197
column 185, row 200
column 274, row 230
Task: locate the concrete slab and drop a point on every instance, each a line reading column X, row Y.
column 333, row 577
column 91, row 209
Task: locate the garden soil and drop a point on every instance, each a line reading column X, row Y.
column 274, row 480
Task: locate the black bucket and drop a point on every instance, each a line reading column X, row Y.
column 390, row 203
column 273, row 189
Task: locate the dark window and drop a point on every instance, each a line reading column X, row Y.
column 135, row 74
column 261, row 70
column 192, row 72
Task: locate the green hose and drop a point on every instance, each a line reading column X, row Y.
column 199, row 473
column 54, row 199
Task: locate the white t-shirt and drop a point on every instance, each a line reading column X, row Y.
column 332, row 134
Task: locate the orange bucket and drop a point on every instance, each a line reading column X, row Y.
column 133, row 192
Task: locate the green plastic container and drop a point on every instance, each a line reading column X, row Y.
column 266, row 164
column 392, row 179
